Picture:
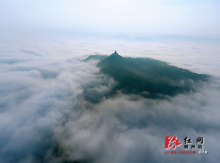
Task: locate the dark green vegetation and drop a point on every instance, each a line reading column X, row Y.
column 148, row 77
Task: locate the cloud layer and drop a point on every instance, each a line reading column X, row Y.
column 46, row 114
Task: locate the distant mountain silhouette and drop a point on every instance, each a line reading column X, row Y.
column 186, row 38
column 148, row 77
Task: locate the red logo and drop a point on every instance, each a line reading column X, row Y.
column 171, row 142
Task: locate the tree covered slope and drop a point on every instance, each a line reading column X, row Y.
column 148, row 77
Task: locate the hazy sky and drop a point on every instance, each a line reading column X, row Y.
column 200, row 18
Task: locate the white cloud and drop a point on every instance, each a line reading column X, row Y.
column 43, row 113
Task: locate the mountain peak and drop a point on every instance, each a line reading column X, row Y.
column 115, row 54
column 114, row 58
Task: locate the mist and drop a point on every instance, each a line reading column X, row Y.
column 45, row 115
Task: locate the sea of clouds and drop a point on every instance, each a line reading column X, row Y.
column 45, row 117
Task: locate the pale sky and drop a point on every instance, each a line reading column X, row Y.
column 200, row 18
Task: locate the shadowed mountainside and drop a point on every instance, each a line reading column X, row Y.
column 148, row 77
